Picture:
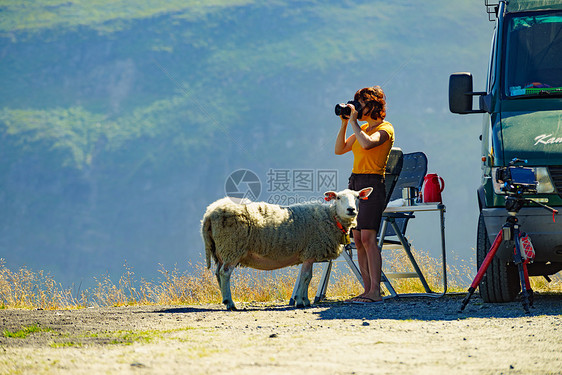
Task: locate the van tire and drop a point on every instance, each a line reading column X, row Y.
column 501, row 281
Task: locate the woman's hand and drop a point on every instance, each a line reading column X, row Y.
column 354, row 113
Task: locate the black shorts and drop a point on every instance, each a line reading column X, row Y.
column 370, row 210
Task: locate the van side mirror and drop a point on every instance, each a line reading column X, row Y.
column 460, row 94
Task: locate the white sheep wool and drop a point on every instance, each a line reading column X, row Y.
column 267, row 236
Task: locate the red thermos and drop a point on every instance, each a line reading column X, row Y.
column 433, row 185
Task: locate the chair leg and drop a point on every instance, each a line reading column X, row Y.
column 384, row 279
column 388, row 285
column 382, row 232
column 292, row 300
column 323, row 285
column 353, row 267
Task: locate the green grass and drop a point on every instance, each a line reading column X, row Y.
column 120, row 337
column 25, row 331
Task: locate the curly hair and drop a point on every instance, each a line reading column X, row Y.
column 375, row 101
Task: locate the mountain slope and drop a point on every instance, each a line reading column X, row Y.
column 120, row 121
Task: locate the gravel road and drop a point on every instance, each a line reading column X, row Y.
column 404, row 336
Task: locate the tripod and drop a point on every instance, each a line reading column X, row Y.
column 509, row 232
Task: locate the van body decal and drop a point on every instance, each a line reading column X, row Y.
column 547, row 139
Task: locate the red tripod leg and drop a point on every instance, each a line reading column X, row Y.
column 487, row 260
column 526, row 273
column 482, row 270
column 527, row 282
column 523, row 274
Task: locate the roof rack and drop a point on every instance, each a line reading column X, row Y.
column 492, row 7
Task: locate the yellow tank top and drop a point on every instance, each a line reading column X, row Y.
column 373, row 161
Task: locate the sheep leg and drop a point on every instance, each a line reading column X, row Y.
column 224, row 283
column 219, row 265
column 301, row 298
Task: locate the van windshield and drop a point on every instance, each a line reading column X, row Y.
column 533, row 64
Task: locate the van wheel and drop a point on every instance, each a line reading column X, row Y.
column 501, row 281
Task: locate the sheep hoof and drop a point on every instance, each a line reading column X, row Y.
column 230, row 305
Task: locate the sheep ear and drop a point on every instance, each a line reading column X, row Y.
column 329, row 195
column 364, row 193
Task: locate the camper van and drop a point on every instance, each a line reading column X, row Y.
column 522, row 125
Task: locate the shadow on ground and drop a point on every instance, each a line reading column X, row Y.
column 445, row 308
column 416, row 308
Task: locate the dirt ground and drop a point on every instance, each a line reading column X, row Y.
column 404, row 336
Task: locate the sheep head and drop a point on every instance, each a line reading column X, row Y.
column 345, row 201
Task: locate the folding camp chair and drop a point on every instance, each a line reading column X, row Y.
column 393, row 226
column 392, row 173
column 393, row 229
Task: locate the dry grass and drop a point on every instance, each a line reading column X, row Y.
column 27, row 289
column 459, row 272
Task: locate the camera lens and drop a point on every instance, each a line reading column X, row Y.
column 345, row 111
column 342, row 110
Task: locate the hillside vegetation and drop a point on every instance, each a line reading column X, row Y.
column 120, row 121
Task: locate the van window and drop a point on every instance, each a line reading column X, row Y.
column 533, row 64
column 492, row 67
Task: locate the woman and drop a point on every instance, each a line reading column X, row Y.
column 371, row 144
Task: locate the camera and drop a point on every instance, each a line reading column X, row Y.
column 517, row 180
column 345, row 111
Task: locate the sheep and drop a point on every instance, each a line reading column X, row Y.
column 267, row 237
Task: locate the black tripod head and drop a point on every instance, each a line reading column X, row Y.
column 514, row 204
